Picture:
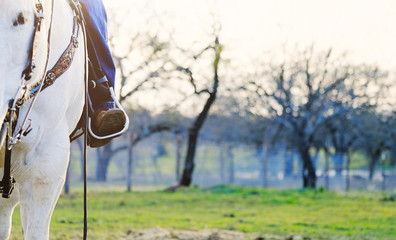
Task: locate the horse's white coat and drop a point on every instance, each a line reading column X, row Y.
column 40, row 161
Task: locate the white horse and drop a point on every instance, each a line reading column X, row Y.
column 40, row 160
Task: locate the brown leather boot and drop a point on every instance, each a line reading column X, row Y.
column 107, row 122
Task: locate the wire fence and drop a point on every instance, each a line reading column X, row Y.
column 154, row 166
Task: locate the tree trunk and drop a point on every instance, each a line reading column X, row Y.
column 157, row 173
column 348, row 180
column 80, row 145
column 104, row 155
column 192, row 142
column 189, row 161
column 221, row 163
column 67, row 180
column 373, row 162
column 231, row 169
column 338, row 161
column 289, row 164
column 315, row 157
column 193, row 132
column 393, row 156
column 264, row 164
column 383, row 158
column 129, row 167
column 179, row 144
column 326, row 171
column 300, row 162
column 309, row 174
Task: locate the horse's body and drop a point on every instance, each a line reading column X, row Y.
column 40, row 161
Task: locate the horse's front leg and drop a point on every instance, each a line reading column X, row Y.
column 6, row 209
column 40, row 192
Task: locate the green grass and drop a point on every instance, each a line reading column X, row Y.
column 317, row 214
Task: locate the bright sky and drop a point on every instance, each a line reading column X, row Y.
column 365, row 28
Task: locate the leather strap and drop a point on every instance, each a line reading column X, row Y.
column 61, row 66
column 38, row 19
column 7, row 183
column 65, row 61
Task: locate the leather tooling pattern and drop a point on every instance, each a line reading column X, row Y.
column 62, row 65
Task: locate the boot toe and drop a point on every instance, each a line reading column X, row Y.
column 109, row 122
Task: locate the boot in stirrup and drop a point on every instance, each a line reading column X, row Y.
column 106, row 119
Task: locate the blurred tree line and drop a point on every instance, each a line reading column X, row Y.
column 303, row 101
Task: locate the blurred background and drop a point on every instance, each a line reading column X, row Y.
column 276, row 94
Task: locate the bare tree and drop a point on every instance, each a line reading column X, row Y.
column 307, row 91
column 211, row 91
column 179, row 145
column 343, row 133
column 376, row 136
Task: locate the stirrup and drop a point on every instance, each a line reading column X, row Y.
column 114, row 135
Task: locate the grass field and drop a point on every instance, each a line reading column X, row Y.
column 313, row 214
